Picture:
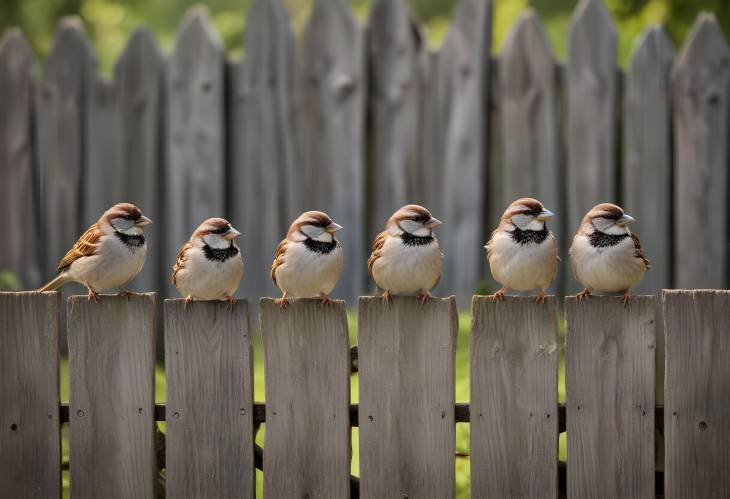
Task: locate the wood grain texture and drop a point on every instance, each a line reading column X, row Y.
column 514, row 398
column 464, row 64
column 700, row 86
column 195, row 135
column 263, row 146
column 609, row 366
column 112, row 369
column 209, row 369
column 330, row 122
column 395, row 58
column 697, row 408
column 530, row 121
column 406, row 365
column 592, row 97
column 62, row 104
column 30, row 431
column 139, row 76
column 19, row 189
column 307, row 373
column 647, row 186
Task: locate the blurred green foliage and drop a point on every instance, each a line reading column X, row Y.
column 8, row 281
column 109, row 22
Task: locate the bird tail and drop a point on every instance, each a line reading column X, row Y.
column 56, row 283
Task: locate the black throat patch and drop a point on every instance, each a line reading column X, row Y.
column 219, row 255
column 411, row 240
column 322, row 247
column 523, row 237
column 602, row 240
column 131, row 241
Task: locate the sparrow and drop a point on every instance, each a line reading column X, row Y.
column 522, row 252
column 209, row 266
column 108, row 255
column 406, row 256
column 308, row 261
column 605, row 255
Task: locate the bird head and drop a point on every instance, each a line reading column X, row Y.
column 526, row 214
column 412, row 219
column 607, row 218
column 123, row 217
column 216, row 233
column 315, row 225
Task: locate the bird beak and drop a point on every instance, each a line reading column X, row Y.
column 545, row 214
column 142, row 221
column 625, row 220
column 433, row 222
column 333, row 227
column 231, row 234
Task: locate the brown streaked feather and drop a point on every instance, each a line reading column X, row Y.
column 278, row 259
column 182, row 257
column 85, row 246
column 377, row 249
column 639, row 251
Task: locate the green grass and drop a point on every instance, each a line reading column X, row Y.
column 462, row 395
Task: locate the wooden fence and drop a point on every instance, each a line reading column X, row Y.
column 406, row 413
column 360, row 120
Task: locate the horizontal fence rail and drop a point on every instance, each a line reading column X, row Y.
column 359, row 120
column 406, row 414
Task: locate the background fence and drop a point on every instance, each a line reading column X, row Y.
column 406, row 413
column 360, row 120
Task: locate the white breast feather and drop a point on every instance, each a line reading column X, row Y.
column 305, row 273
column 407, row 269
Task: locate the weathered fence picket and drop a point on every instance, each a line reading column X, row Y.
column 112, row 403
column 609, row 372
column 592, row 100
column 406, row 363
column 514, row 398
column 30, row 432
column 307, row 373
column 696, row 422
column 700, row 85
column 209, row 375
column 195, row 132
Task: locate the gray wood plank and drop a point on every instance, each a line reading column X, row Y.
column 209, row 369
column 62, row 102
column 592, row 97
column 307, row 373
column 104, row 175
column 514, row 398
column 195, row 134
column 700, row 86
column 330, row 122
column 112, row 370
column 697, row 408
column 395, row 54
column 139, row 76
column 262, row 172
column 647, row 187
column 406, row 365
column 464, row 64
column 30, row 431
column 609, row 373
column 530, row 121
column 19, row 200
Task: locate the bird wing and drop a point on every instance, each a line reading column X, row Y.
column 182, row 257
column 278, row 259
column 85, row 246
column 639, row 251
column 489, row 243
column 377, row 249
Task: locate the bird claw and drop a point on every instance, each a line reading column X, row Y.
column 626, row 298
column 282, row 302
column 231, row 302
column 424, row 296
column 541, row 297
column 386, row 296
column 188, row 300
column 583, row 295
column 127, row 294
column 93, row 296
column 325, row 300
column 499, row 295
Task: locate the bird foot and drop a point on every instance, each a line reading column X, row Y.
column 583, row 295
column 386, row 296
column 499, row 295
column 93, row 296
column 188, row 301
column 231, row 302
column 424, row 296
column 127, row 294
column 626, row 298
column 325, row 300
column 282, row 302
column 541, row 297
